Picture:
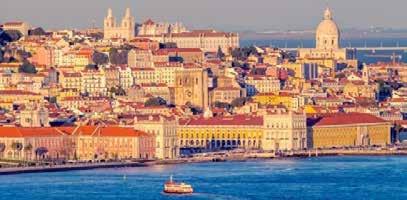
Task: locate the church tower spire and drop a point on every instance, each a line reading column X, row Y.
column 123, row 30
column 110, row 21
column 128, row 13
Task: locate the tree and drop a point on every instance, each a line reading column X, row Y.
column 27, row 67
column 14, row 34
column 118, row 56
column 340, row 76
column 91, row 67
column 41, row 151
column 219, row 104
column 383, row 89
column 27, row 149
column 17, row 146
column 52, row 99
column 37, row 31
column 113, row 90
column 100, row 58
column 397, row 129
column 4, row 37
column 238, row 102
column 220, row 53
column 119, row 91
column 155, row 101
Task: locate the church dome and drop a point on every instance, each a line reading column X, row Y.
column 327, row 33
column 327, row 26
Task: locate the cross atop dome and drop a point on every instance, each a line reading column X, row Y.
column 328, row 14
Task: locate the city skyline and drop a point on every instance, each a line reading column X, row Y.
column 267, row 17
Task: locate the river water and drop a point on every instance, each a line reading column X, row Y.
column 367, row 57
column 356, row 177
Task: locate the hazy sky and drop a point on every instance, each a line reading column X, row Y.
column 255, row 15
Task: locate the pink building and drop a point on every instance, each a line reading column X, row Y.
column 43, row 57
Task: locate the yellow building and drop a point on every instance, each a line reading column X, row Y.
column 67, row 92
column 359, row 89
column 239, row 131
column 19, row 96
column 93, row 82
column 143, row 75
column 291, row 102
column 349, row 130
column 71, row 80
column 165, row 72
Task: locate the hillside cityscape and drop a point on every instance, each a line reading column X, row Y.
column 157, row 90
column 146, row 93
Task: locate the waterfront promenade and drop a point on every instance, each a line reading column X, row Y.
column 210, row 157
column 69, row 167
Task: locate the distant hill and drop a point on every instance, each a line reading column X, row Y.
column 310, row 34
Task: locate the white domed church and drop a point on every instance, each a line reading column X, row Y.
column 328, row 50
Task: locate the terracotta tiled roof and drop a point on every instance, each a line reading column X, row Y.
column 35, row 132
column 348, row 118
column 10, row 132
column 178, row 50
column 112, row 131
column 16, row 92
column 149, row 22
column 13, row 23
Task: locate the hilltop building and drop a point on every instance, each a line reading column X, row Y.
column 124, row 30
column 23, row 27
column 207, row 40
column 328, row 51
column 150, row 27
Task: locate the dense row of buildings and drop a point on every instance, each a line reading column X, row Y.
column 159, row 90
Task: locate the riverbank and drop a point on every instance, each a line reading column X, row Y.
column 205, row 158
column 69, row 167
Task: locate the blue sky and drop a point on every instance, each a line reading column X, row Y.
column 240, row 15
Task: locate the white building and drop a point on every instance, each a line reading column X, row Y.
column 328, row 46
column 261, row 84
column 23, row 27
column 126, row 79
column 149, row 27
column 165, row 131
column 124, row 30
column 284, row 131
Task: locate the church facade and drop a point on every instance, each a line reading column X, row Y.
column 328, row 51
column 124, row 30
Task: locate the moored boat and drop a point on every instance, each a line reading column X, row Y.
column 172, row 187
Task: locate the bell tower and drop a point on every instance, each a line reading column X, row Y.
column 128, row 25
column 109, row 19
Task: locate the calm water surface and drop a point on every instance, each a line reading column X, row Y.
column 362, row 56
column 314, row 178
